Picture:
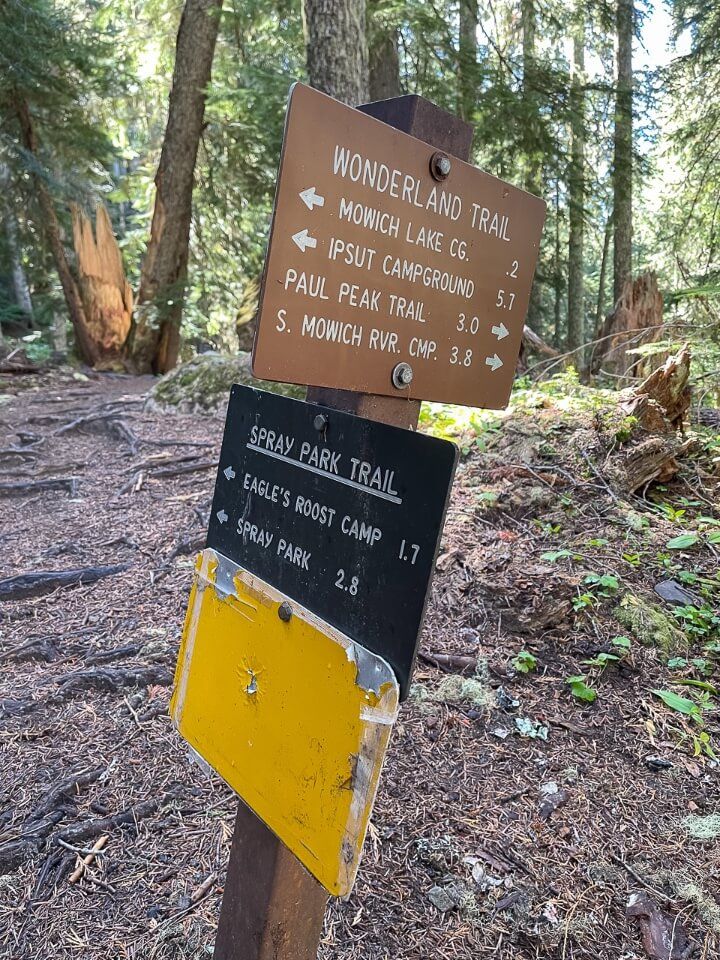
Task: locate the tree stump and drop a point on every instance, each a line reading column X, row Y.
column 647, row 431
column 635, row 320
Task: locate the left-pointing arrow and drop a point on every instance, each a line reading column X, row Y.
column 229, row 473
column 222, row 516
column 304, row 240
column 311, row 198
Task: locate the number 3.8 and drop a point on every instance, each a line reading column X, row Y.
column 456, row 358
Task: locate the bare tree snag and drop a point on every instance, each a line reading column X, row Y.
column 106, row 294
column 154, row 339
column 83, row 341
column 636, row 319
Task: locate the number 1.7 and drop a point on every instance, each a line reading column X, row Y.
column 415, row 550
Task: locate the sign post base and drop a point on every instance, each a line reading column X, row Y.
column 272, row 908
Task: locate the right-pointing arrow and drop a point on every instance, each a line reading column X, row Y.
column 222, row 516
column 495, row 362
column 304, row 240
column 501, row 331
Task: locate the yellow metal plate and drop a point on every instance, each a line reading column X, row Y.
column 293, row 715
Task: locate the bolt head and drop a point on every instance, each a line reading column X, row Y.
column 402, row 375
column 440, row 165
column 285, row 611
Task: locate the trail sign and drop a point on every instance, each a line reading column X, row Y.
column 392, row 268
column 341, row 514
column 292, row 715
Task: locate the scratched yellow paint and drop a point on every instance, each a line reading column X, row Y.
column 293, row 716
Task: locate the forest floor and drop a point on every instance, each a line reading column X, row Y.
column 519, row 815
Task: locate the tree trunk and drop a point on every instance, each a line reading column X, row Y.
column 59, row 334
column 576, row 189
column 336, row 48
column 21, row 287
column 467, row 59
column 106, row 294
column 623, row 164
column 51, row 225
column 600, row 309
column 531, row 148
column 154, row 339
column 558, row 275
column 383, row 56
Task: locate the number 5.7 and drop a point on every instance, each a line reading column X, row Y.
column 505, row 300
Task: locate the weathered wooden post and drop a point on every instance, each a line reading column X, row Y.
column 272, row 907
column 392, row 270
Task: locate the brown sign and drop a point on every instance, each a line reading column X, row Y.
column 392, row 269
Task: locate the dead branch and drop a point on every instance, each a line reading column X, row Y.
column 185, row 468
column 17, row 488
column 26, row 585
column 113, row 680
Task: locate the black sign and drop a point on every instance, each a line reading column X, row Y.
column 342, row 514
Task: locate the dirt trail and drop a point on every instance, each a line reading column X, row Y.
column 513, row 821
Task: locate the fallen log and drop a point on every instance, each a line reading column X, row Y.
column 18, row 488
column 114, row 679
column 26, row 585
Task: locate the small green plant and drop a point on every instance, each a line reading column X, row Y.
column 702, row 622
column 623, row 643
column 598, row 542
column 674, row 514
column 605, row 583
column 602, row 660
column 547, row 527
column 580, row 689
column 601, row 587
column 680, row 704
column 634, row 559
column 683, row 542
column 552, row 556
column 524, row 662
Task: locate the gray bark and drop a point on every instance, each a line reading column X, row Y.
column 336, row 48
column 600, row 309
column 21, row 288
column 576, row 188
column 155, row 338
column 383, row 56
column 623, row 165
column 531, row 146
column 467, row 59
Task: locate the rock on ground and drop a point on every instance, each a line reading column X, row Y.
column 202, row 384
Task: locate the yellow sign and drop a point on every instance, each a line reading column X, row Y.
column 292, row 714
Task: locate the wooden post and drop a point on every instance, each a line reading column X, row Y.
column 272, row 907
